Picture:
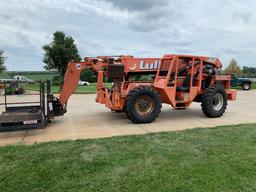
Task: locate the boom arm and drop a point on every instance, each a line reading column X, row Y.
column 99, row 64
column 73, row 72
column 71, row 80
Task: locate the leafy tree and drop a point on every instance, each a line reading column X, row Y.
column 249, row 72
column 2, row 60
column 60, row 52
column 87, row 75
column 233, row 67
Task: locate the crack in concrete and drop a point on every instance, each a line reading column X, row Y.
column 143, row 129
column 26, row 132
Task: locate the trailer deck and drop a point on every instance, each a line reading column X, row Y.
column 26, row 115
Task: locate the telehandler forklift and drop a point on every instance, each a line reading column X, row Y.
column 141, row 85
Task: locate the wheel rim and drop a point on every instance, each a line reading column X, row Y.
column 144, row 105
column 217, row 102
column 246, row 86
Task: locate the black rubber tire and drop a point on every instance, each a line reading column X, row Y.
column 117, row 111
column 208, row 99
column 130, row 109
column 246, row 86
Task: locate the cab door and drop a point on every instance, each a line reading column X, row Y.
column 234, row 80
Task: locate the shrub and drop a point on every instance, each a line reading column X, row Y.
column 56, row 80
column 87, row 75
column 10, row 90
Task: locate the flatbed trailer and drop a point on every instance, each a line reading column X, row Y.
column 27, row 115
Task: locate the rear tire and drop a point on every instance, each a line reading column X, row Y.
column 214, row 101
column 143, row 105
column 246, row 86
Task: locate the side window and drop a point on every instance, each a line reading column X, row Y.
column 185, row 65
column 196, row 72
column 165, row 67
column 233, row 76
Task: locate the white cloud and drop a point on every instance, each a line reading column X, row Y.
column 150, row 28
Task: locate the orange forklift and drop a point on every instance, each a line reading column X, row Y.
column 141, row 85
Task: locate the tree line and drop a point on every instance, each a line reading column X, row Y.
column 2, row 60
column 62, row 50
column 233, row 67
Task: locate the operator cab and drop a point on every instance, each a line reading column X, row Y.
column 183, row 69
column 185, row 73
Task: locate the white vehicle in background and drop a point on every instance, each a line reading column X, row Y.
column 14, row 83
column 18, row 79
column 83, row 83
column 23, row 79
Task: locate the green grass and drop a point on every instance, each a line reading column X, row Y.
column 88, row 89
column 92, row 88
column 35, row 75
column 45, row 75
column 216, row 159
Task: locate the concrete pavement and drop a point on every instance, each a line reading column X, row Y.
column 87, row 119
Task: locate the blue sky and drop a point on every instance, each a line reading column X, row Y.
column 143, row 28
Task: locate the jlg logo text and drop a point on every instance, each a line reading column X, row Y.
column 150, row 65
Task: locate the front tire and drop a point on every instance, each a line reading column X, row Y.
column 143, row 105
column 214, row 101
column 246, row 86
column 117, row 111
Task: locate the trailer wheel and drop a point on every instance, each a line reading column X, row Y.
column 246, row 86
column 214, row 101
column 143, row 105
